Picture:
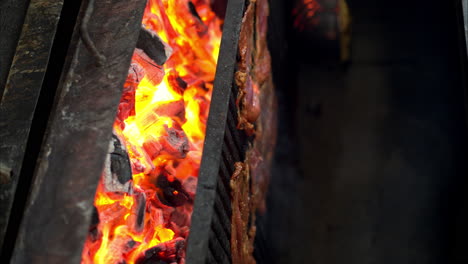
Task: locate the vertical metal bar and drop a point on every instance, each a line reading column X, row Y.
column 198, row 241
column 12, row 15
column 20, row 96
column 59, row 209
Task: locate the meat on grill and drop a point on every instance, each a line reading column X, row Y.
column 242, row 235
column 256, row 103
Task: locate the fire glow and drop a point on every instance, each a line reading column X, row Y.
column 162, row 123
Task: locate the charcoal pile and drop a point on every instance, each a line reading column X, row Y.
column 144, row 201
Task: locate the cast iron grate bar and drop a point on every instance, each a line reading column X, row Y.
column 80, row 123
column 228, row 141
column 210, row 259
column 222, row 235
column 225, row 176
column 224, row 197
column 222, row 215
column 229, row 150
column 218, row 158
column 217, row 249
column 235, row 136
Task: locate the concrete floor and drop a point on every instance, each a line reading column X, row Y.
column 382, row 145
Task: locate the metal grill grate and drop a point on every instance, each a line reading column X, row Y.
column 210, row 232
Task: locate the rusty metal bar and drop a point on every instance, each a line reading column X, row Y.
column 20, row 97
column 59, row 208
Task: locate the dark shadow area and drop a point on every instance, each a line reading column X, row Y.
column 12, row 14
column 275, row 225
column 381, row 143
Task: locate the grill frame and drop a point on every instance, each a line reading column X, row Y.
column 224, row 145
column 59, row 207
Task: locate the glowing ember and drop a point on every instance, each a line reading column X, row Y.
column 161, row 120
column 304, row 13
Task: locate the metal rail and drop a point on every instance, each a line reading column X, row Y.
column 210, row 231
column 59, row 208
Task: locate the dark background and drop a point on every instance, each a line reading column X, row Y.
column 371, row 164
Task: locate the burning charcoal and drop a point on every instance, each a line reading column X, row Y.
column 193, row 80
column 117, row 172
column 112, row 213
column 190, row 186
column 181, row 82
column 171, row 192
column 120, row 163
column 154, row 46
column 94, row 217
column 131, row 244
column 177, row 82
column 125, row 110
column 153, row 71
column 202, row 85
column 156, row 212
column 137, row 217
column 118, row 247
column 180, row 216
column 135, row 75
column 166, row 140
column 172, row 109
column 171, row 167
column 127, row 101
column 93, row 227
column 175, row 142
column 180, row 230
column 152, row 146
column 147, row 120
column 93, row 234
column 193, row 10
column 151, row 261
column 141, row 212
column 201, row 27
column 164, row 253
column 141, row 162
column 204, row 107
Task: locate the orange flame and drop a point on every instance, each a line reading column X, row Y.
column 195, row 44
